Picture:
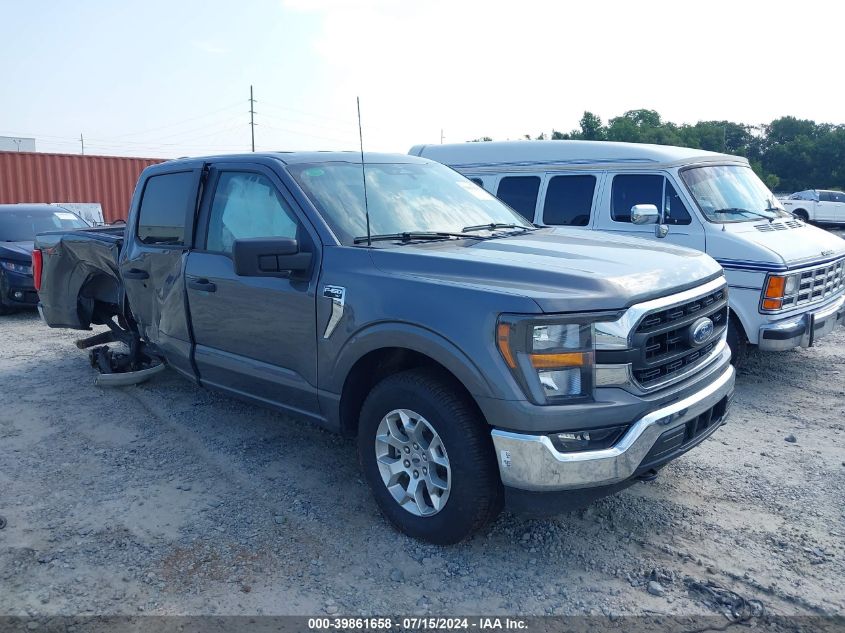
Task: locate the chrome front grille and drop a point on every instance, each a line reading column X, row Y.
column 664, row 342
column 818, row 283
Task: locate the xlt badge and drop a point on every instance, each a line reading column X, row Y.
column 337, row 294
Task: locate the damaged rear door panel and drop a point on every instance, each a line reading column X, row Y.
column 153, row 259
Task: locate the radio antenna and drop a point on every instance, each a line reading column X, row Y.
column 363, row 173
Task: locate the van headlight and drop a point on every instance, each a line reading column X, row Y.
column 778, row 290
column 552, row 358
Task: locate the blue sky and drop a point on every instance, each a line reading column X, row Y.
column 172, row 78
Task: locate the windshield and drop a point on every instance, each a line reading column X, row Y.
column 24, row 224
column 401, row 198
column 732, row 193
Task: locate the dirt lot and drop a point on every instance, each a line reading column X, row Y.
column 165, row 498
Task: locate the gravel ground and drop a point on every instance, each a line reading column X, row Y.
column 165, row 498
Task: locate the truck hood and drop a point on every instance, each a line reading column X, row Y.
column 561, row 271
column 790, row 246
column 16, row 251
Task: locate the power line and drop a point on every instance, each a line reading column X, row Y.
column 252, row 117
column 188, row 120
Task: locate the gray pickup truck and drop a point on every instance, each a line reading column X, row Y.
column 478, row 359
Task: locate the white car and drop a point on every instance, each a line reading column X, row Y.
column 817, row 205
column 786, row 277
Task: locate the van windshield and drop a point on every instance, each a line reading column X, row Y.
column 402, row 197
column 732, row 193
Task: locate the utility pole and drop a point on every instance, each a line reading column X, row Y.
column 17, row 141
column 252, row 117
column 441, row 136
column 82, row 142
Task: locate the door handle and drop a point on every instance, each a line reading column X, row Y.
column 202, row 284
column 134, row 273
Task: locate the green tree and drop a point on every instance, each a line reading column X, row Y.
column 592, row 128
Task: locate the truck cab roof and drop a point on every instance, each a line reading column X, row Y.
column 291, row 158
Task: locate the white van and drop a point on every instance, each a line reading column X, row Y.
column 786, row 278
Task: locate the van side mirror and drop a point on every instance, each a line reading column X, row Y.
column 644, row 214
column 269, row 257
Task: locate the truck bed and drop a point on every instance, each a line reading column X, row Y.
column 80, row 282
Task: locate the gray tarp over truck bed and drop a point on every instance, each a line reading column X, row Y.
column 82, row 263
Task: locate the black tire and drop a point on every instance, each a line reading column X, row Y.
column 801, row 215
column 4, row 288
column 475, row 495
column 738, row 342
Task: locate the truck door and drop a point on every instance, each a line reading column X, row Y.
column 826, row 207
column 625, row 190
column 255, row 336
column 838, row 206
column 152, row 261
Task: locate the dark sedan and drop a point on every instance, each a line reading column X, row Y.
column 19, row 224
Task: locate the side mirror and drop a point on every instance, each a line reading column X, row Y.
column 269, row 257
column 644, row 214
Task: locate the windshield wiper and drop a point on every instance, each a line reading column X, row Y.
column 496, row 225
column 728, row 210
column 409, row 236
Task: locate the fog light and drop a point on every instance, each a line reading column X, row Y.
column 18, row 295
column 591, row 440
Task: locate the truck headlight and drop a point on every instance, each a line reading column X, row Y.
column 777, row 291
column 552, row 358
column 21, row 269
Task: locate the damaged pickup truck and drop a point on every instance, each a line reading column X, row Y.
column 478, row 360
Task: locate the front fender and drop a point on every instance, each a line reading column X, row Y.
column 412, row 337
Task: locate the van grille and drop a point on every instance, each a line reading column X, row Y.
column 818, row 283
column 664, row 339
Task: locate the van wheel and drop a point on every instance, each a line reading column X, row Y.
column 801, row 215
column 428, row 457
column 738, row 342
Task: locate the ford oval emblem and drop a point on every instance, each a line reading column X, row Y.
column 701, row 331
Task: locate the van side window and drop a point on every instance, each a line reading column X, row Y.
column 246, row 205
column 825, row 196
column 632, row 189
column 674, row 210
column 569, row 200
column 520, row 192
column 164, row 208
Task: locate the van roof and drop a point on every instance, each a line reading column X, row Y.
column 525, row 155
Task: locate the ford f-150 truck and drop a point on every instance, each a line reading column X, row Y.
column 479, row 360
column 815, row 205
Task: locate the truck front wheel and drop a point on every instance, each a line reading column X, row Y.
column 428, row 457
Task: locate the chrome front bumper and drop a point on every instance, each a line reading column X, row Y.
column 802, row 330
column 531, row 462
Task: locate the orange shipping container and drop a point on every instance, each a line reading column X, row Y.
column 42, row 177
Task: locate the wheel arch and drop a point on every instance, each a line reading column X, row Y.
column 385, row 349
